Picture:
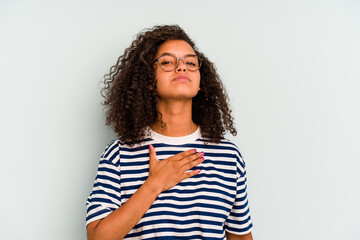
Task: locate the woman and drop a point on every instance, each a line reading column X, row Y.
column 170, row 174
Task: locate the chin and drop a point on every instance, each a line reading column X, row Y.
column 181, row 95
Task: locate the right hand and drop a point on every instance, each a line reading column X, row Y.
column 166, row 173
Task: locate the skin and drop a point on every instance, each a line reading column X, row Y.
column 231, row 236
column 175, row 103
column 175, row 97
column 162, row 176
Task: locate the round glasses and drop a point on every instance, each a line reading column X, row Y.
column 169, row 62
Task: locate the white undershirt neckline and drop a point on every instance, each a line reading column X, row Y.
column 176, row 140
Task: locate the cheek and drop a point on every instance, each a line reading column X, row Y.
column 198, row 79
column 161, row 80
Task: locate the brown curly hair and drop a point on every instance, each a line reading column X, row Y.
column 131, row 96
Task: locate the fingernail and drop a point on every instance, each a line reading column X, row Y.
column 202, row 153
column 150, row 146
column 202, row 158
column 194, row 150
column 198, row 171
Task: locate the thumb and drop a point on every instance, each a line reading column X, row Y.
column 152, row 154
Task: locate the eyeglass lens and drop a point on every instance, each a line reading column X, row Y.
column 168, row 63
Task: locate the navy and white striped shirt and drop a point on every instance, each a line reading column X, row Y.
column 200, row 207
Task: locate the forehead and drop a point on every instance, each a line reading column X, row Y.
column 178, row 48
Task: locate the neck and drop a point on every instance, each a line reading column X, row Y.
column 178, row 119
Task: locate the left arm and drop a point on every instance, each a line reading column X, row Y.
column 231, row 236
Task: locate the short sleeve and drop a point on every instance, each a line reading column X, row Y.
column 239, row 221
column 105, row 195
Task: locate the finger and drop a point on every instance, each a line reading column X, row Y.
column 152, row 154
column 190, row 174
column 191, row 164
column 184, row 154
column 191, row 158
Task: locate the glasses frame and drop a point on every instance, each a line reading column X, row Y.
column 177, row 61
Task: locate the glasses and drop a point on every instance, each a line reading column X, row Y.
column 169, row 62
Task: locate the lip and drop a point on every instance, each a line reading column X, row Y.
column 181, row 78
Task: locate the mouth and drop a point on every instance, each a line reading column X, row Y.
column 181, row 78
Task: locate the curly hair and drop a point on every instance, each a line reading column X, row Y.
column 131, row 96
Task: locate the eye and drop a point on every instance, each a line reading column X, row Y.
column 167, row 60
column 191, row 63
column 165, row 63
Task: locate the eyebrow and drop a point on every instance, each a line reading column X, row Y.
column 170, row 54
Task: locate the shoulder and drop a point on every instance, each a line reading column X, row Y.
column 234, row 149
column 232, row 146
column 111, row 153
column 224, row 144
column 113, row 150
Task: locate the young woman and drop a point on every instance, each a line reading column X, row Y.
column 170, row 174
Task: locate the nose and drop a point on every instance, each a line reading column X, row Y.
column 180, row 66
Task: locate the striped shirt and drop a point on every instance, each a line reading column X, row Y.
column 201, row 207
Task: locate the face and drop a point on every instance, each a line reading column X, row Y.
column 179, row 84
